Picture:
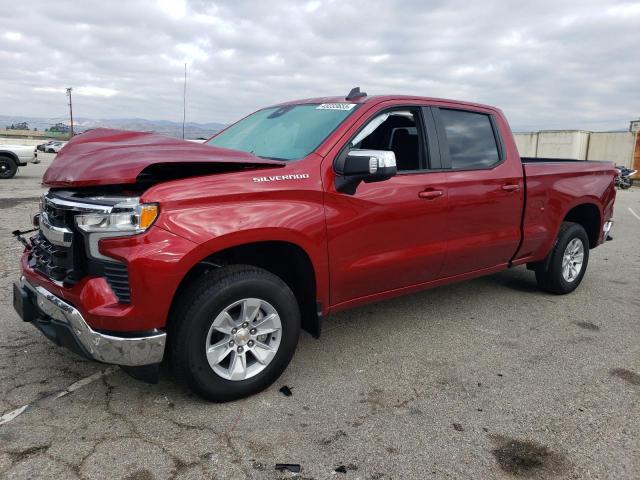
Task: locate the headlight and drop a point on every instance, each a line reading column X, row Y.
column 124, row 219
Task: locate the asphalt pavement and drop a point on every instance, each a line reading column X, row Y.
column 485, row 379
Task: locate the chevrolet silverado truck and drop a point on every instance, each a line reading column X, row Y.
column 214, row 256
column 14, row 156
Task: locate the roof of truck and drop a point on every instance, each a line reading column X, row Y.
column 379, row 99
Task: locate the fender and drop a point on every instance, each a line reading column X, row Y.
column 551, row 197
column 218, row 212
column 315, row 252
column 557, row 212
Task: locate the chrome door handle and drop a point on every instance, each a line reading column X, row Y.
column 511, row 188
column 430, row 194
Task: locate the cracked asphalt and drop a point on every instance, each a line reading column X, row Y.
column 485, row 379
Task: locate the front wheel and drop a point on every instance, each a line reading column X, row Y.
column 568, row 262
column 234, row 332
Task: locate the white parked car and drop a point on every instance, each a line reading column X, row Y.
column 54, row 147
column 43, row 146
column 14, row 156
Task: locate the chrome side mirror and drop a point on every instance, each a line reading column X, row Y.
column 355, row 166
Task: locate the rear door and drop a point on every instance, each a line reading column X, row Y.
column 389, row 234
column 485, row 191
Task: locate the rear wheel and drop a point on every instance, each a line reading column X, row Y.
column 8, row 167
column 234, row 332
column 568, row 262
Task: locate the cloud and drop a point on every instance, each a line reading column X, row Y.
column 13, row 36
column 56, row 90
column 89, row 91
column 547, row 64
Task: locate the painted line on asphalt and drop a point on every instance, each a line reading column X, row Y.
column 85, row 381
column 634, row 213
column 7, row 417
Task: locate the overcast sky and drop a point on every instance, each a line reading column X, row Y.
column 547, row 64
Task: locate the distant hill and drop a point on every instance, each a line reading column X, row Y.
column 192, row 130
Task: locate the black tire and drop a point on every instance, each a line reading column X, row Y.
column 195, row 312
column 551, row 279
column 8, row 167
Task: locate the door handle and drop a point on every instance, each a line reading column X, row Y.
column 511, row 188
column 430, row 194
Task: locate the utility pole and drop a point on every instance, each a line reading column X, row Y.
column 184, row 100
column 70, row 109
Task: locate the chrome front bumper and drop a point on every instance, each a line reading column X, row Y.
column 128, row 351
column 606, row 229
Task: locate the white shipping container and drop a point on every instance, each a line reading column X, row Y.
column 613, row 146
column 563, row 144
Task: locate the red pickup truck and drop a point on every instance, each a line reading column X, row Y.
column 215, row 255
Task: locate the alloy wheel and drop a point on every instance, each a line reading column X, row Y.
column 572, row 260
column 243, row 339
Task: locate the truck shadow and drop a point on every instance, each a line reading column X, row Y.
column 518, row 279
column 431, row 303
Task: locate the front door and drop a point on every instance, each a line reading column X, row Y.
column 388, row 234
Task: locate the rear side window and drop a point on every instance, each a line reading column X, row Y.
column 470, row 137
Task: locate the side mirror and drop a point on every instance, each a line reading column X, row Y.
column 355, row 166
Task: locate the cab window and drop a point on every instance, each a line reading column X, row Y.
column 395, row 130
column 470, row 139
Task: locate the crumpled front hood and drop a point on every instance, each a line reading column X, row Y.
column 117, row 157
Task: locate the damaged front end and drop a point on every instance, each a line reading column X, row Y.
column 98, row 276
column 62, row 259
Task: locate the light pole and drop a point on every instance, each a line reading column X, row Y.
column 184, row 100
column 70, row 109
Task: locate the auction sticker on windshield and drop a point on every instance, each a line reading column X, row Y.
column 336, row 106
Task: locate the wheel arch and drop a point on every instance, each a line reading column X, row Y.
column 287, row 260
column 587, row 215
column 11, row 155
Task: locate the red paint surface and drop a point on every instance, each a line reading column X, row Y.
column 383, row 241
column 157, row 261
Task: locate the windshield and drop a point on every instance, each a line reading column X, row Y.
column 289, row 132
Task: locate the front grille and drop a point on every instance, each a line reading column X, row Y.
column 118, row 279
column 69, row 264
column 50, row 260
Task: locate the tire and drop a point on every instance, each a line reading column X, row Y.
column 555, row 279
column 193, row 332
column 627, row 184
column 8, row 167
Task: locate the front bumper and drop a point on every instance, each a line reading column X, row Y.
column 64, row 325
